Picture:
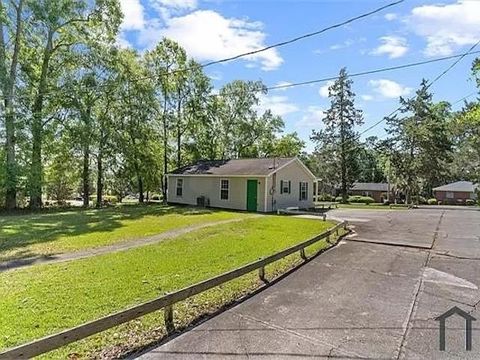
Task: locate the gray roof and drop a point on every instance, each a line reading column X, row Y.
column 370, row 186
column 233, row 167
column 460, row 186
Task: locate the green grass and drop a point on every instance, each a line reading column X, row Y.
column 45, row 299
column 23, row 236
column 373, row 206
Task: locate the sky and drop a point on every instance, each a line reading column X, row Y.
column 409, row 32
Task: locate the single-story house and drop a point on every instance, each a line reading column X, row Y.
column 456, row 192
column 377, row 191
column 262, row 185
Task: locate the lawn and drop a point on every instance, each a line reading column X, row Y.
column 44, row 299
column 23, row 236
column 373, row 206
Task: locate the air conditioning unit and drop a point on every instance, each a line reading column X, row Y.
column 203, row 201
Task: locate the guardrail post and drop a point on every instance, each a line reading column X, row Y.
column 303, row 255
column 168, row 316
column 261, row 274
column 345, row 225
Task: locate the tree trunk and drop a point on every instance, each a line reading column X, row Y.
column 86, row 175
column 141, row 198
column 36, row 168
column 8, row 91
column 99, row 178
column 165, row 155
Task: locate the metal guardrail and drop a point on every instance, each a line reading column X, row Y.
column 55, row 341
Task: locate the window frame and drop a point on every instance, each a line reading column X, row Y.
column 223, row 189
column 285, row 184
column 179, row 180
column 303, row 191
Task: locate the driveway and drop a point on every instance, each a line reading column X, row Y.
column 374, row 296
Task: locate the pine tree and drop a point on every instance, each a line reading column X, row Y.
column 336, row 143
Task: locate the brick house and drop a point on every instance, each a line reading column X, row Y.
column 377, row 191
column 456, row 192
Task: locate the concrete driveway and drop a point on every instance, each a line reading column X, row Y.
column 374, row 296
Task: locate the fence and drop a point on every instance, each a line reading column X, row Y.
column 166, row 302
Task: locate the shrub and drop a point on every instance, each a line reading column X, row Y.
column 432, row 201
column 469, row 202
column 338, row 199
column 361, row 199
column 327, row 197
column 460, row 202
column 422, row 200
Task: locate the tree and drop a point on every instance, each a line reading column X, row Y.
column 420, row 142
column 11, row 22
column 337, row 143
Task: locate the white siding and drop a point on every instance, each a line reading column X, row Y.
column 209, row 186
column 295, row 173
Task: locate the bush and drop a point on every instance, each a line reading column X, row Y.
column 338, row 199
column 361, row 199
column 422, row 200
column 432, row 201
column 460, row 202
column 327, row 197
column 469, row 202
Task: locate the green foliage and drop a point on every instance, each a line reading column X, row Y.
column 469, row 202
column 336, row 144
column 357, row 199
column 432, row 201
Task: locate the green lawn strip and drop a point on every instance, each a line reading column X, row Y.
column 374, row 206
column 41, row 234
column 45, row 299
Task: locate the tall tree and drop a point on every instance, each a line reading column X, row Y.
column 337, row 142
column 11, row 32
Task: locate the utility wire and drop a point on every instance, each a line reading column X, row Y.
column 318, row 32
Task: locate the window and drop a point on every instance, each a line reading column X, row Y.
column 179, row 187
column 285, row 187
column 449, row 195
column 224, row 189
column 303, row 190
column 367, row 193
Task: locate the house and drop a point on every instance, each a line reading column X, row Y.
column 377, row 191
column 456, row 192
column 262, row 185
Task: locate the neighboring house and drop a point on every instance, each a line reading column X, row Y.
column 456, row 192
column 377, row 191
column 243, row 184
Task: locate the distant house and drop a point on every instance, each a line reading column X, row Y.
column 377, row 191
column 262, row 185
column 456, row 192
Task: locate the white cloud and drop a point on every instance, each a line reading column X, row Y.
column 207, row 35
column 324, row 89
column 282, row 83
column 389, row 88
column 312, row 118
column 446, row 27
column 133, row 15
column 393, row 46
column 178, row 4
column 279, row 105
column 390, row 16
column 367, row 97
column 343, row 45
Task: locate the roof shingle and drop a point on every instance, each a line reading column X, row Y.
column 459, row 186
column 252, row 167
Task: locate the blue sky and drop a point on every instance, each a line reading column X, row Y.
column 412, row 31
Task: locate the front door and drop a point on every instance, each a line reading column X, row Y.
column 251, row 195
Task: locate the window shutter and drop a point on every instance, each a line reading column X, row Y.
column 306, row 191
column 289, row 187
column 300, row 191
column 281, row 186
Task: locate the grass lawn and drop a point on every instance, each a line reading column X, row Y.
column 374, row 206
column 32, row 235
column 45, row 299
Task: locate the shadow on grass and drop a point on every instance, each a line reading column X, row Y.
column 18, row 231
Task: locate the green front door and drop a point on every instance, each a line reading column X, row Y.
column 251, row 195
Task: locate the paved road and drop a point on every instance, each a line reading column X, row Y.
column 375, row 296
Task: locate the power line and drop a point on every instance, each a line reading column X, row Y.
column 443, row 73
column 298, row 38
column 375, row 71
